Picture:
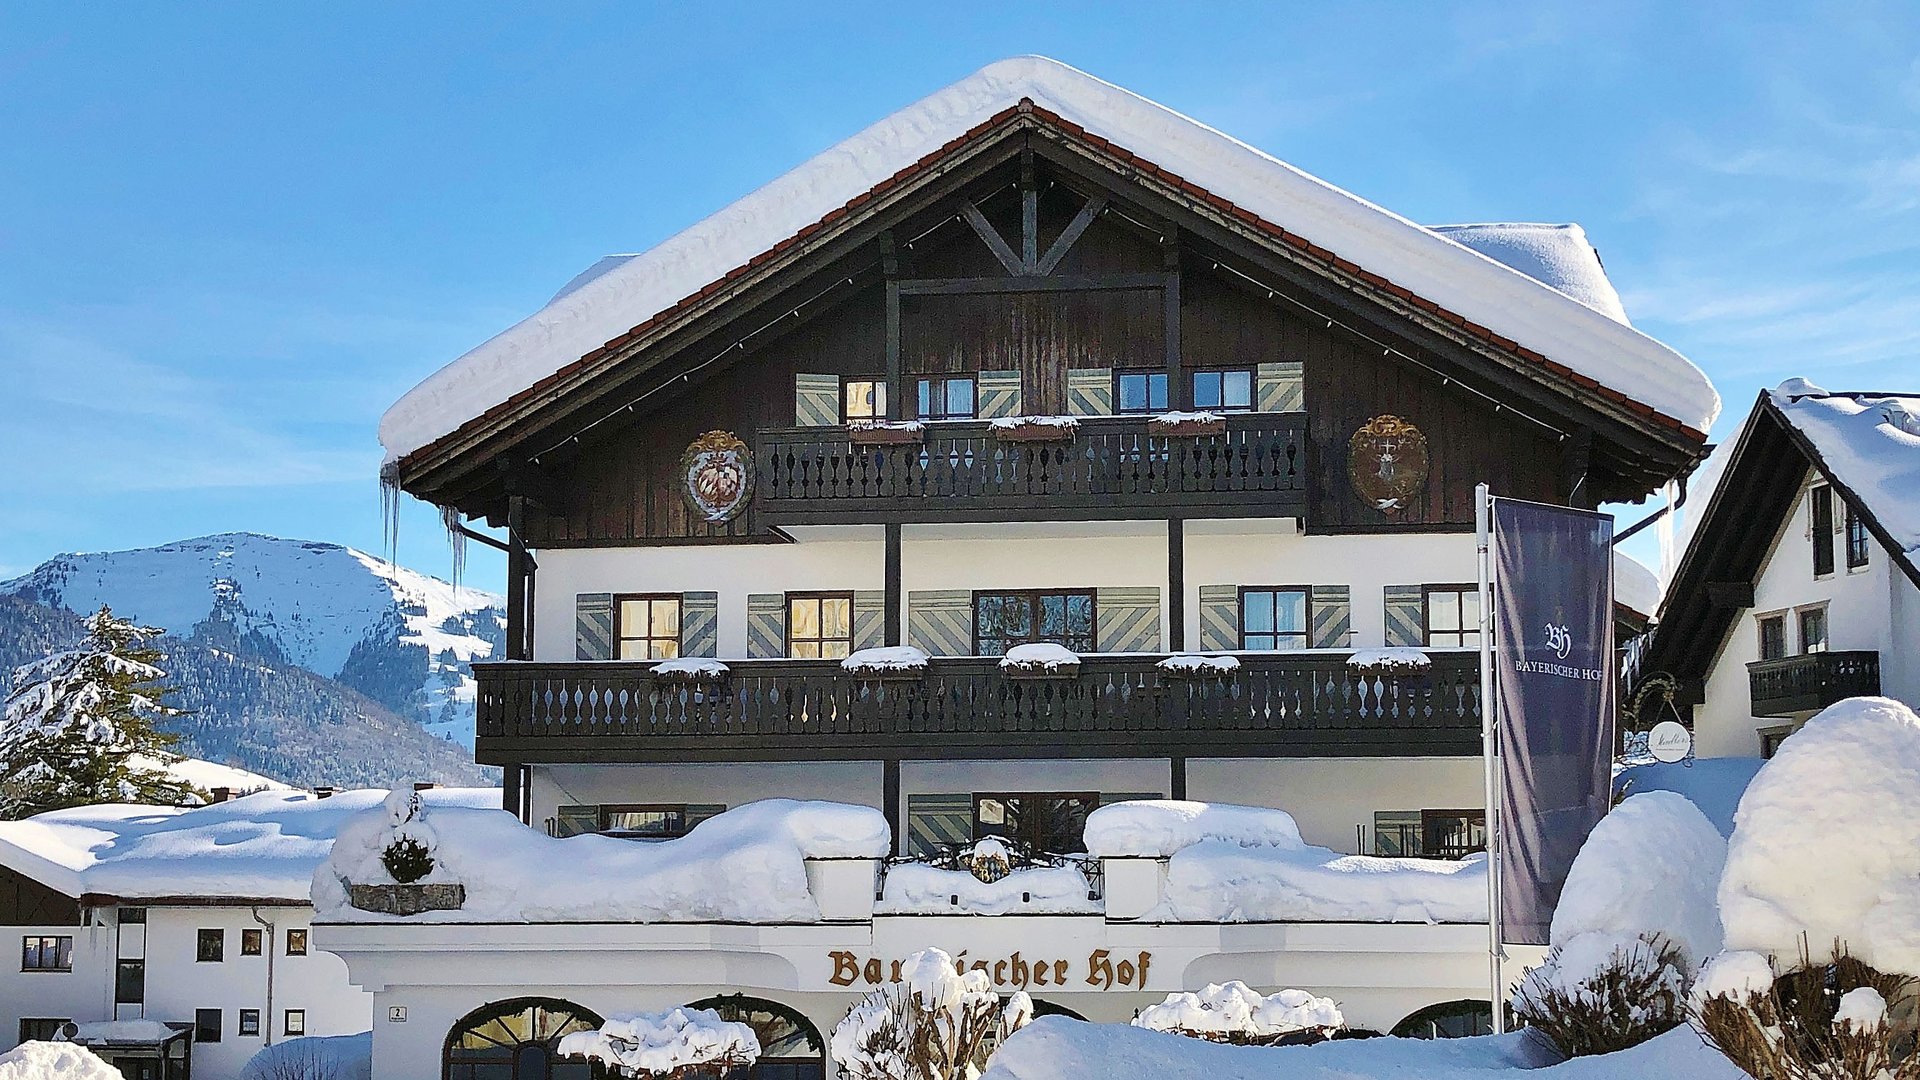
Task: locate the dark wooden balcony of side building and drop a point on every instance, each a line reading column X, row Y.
column 1278, row 704
column 1812, row 681
column 1246, row 465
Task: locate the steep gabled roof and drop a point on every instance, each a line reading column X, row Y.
column 1867, row 446
column 1509, row 308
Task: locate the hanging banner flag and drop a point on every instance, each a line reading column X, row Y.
column 1553, row 666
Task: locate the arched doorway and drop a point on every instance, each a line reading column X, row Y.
column 518, row 1039
column 1448, row 1020
column 1043, row 1007
column 790, row 1046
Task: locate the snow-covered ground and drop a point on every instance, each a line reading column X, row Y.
column 314, row 604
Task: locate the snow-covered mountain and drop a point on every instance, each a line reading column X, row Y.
column 402, row 638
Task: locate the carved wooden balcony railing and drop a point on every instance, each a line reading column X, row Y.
column 1285, row 704
column 1112, row 467
column 1796, row 684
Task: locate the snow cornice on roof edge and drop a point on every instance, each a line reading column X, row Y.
column 1506, row 302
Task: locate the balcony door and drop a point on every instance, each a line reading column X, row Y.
column 1004, row 619
column 1053, row 822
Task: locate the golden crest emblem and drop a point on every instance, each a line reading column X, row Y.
column 718, row 472
column 1387, row 462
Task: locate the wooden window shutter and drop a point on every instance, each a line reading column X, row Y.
column 576, row 820
column 816, row 400
column 700, row 624
column 999, row 394
column 869, row 619
column 1332, row 616
column 1282, row 386
column 1129, row 619
column 940, row 622
column 934, row 821
column 593, row 626
column 1406, row 616
column 1090, row 391
column 1219, row 617
column 766, row 625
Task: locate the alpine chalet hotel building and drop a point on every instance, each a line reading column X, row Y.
column 1031, row 361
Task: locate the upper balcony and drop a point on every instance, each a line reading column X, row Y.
column 1812, row 681
column 1245, row 465
column 1277, row 704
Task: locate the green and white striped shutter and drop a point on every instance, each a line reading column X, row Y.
column 1090, row 391
column 999, row 395
column 1405, row 613
column 940, row 622
column 936, row 820
column 766, row 626
column 1282, row 386
column 700, row 624
column 869, row 619
column 576, row 820
column 1129, row 619
column 1332, row 616
column 1219, row 617
column 699, row 812
column 816, row 400
column 593, row 626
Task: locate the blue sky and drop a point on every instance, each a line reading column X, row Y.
column 230, row 235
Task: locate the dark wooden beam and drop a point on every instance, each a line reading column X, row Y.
column 1029, row 217
column 957, row 286
column 991, row 237
column 891, row 615
column 510, row 799
column 1177, row 778
column 890, row 270
column 890, row 795
column 1065, row 241
column 1576, row 468
column 519, row 641
column 1730, row 594
column 1176, row 584
column 1178, row 395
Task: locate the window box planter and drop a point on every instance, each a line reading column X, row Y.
column 407, row 899
column 908, row 433
column 1034, row 428
column 1187, row 424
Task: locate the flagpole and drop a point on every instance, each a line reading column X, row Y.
column 1489, row 753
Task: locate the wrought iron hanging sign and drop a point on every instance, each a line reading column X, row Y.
column 718, row 472
column 1387, row 462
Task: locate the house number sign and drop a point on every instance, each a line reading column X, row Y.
column 1387, row 462
column 718, row 472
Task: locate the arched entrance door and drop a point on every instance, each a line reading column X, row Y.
column 790, row 1046
column 1448, row 1020
column 518, row 1039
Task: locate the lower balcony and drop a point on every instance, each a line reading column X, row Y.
column 1285, row 704
column 1813, row 681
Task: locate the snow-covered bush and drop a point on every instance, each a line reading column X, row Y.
column 314, row 1057
column 675, row 1043
column 1236, row 1013
column 1602, row 1003
column 1836, row 1019
column 935, row 1024
column 408, row 854
column 54, row 1061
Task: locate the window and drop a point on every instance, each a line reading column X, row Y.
column 1857, row 545
column 1429, row 834
column 1448, row 1020
column 249, row 1021
column 211, row 947
column 1274, row 617
column 296, row 1022
column 644, row 822
column 863, row 398
column 516, row 1040
column 1771, row 738
column 790, row 1046
column 1396, row 833
column 1140, row 391
column 1052, row 822
column 1452, row 615
column 296, row 943
column 130, row 983
column 1773, row 637
column 1813, row 629
column 1002, row 620
column 131, row 915
column 649, row 626
column 1226, row 390
column 249, row 943
column 819, row 625
column 206, row 1025
column 1822, row 530
column 39, row 1028
column 46, row 953
column 947, row 397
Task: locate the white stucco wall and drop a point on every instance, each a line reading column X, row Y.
column 84, row 993
column 1328, row 797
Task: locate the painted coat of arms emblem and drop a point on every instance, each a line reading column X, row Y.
column 1387, row 462
column 718, row 471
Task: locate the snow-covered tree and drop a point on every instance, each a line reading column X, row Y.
column 935, row 1024
column 78, row 726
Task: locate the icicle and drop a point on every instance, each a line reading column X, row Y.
column 457, row 541
column 1669, row 558
column 390, row 508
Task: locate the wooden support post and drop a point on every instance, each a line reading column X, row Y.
column 1177, row 778
column 510, row 798
column 890, row 267
column 1178, row 394
column 890, row 795
column 1176, row 584
column 892, row 613
column 1029, row 216
column 519, row 636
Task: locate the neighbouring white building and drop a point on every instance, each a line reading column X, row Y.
column 171, row 934
column 911, row 481
column 1800, row 582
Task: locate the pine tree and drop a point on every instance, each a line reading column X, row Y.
column 78, row 727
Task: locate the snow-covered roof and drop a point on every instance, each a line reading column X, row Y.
column 616, row 296
column 1635, row 587
column 1555, row 255
column 259, row 847
column 1870, row 445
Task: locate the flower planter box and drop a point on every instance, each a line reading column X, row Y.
column 889, row 435
column 1055, row 671
column 1213, row 425
column 407, row 899
column 1034, row 432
